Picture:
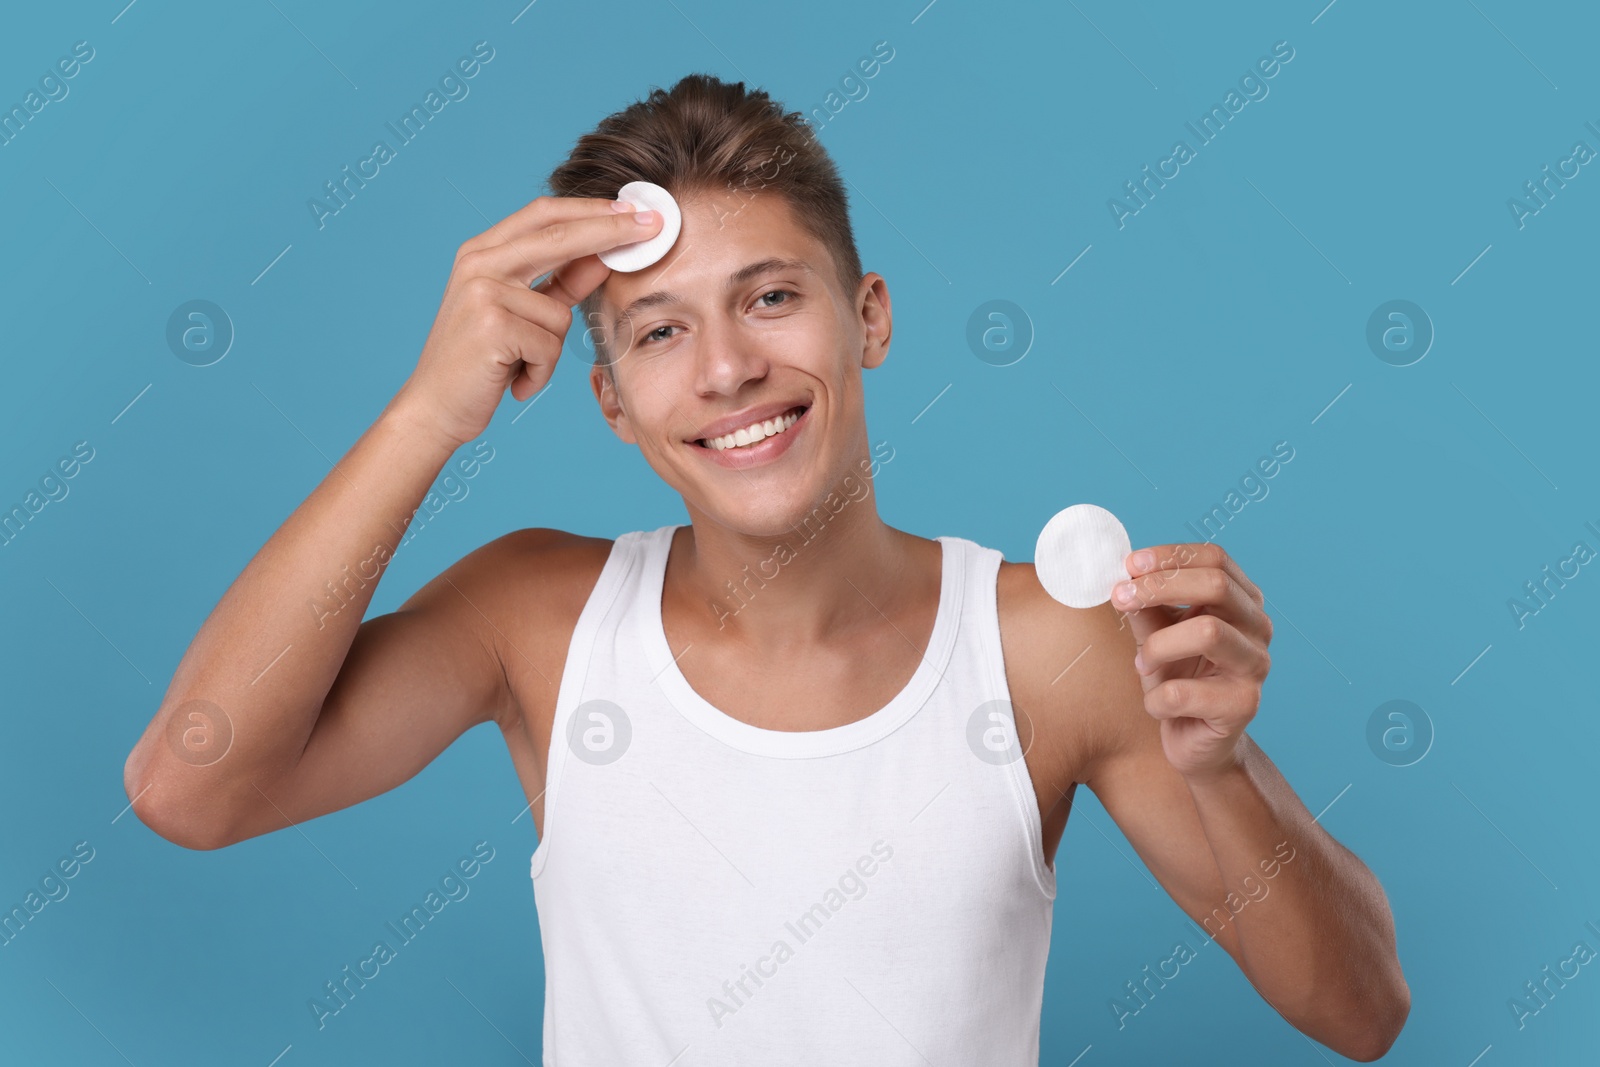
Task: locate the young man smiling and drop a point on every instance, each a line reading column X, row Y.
column 887, row 706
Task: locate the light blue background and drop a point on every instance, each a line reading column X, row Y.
column 1226, row 316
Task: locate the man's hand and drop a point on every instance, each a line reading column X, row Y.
column 1202, row 665
column 492, row 330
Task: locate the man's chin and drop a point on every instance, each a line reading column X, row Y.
column 766, row 514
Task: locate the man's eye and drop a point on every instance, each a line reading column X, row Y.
column 652, row 337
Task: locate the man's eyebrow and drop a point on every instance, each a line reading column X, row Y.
column 736, row 279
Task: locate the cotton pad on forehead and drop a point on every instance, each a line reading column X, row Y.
column 640, row 254
column 1080, row 555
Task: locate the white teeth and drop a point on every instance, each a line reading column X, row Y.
column 758, row 431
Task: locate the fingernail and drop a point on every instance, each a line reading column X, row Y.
column 644, row 218
column 1138, row 661
column 1124, row 592
column 621, row 205
column 1144, row 560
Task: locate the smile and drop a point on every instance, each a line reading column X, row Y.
column 753, row 434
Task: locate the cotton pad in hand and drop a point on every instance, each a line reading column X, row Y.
column 645, row 196
column 1079, row 557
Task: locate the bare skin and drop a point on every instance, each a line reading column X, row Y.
column 350, row 709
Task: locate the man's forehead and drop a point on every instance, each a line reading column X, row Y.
column 720, row 233
column 728, row 239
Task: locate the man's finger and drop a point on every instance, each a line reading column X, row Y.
column 1144, row 622
column 1205, row 636
column 524, row 258
column 534, row 216
column 1170, row 559
column 1217, row 700
column 1207, row 587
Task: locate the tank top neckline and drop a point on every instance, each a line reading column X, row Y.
column 799, row 744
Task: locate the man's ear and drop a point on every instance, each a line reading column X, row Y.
column 610, row 404
column 877, row 320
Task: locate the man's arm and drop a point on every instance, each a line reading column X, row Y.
column 1306, row 921
column 286, row 705
column 307, row 709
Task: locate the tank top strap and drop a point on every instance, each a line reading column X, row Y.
column 614, row 596
column 982, row 657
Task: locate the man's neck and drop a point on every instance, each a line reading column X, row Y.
column 831, row 573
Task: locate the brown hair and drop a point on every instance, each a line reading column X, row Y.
column 705, row 135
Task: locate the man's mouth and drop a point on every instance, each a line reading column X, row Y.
column 755, row 432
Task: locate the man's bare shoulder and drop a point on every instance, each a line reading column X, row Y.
column 530, row 587
column 1070, row 669
column 541, row 554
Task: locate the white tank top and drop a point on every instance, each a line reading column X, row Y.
column 714, row 893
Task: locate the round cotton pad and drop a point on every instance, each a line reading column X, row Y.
column 1080, row 554
column 646, row 196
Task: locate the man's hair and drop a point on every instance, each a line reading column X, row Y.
column 705, row 135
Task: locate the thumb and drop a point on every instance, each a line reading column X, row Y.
column 571, row 282
column 522, row 386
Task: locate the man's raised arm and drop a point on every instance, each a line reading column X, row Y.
column 283, row 709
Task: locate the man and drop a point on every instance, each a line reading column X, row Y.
column 798, row 776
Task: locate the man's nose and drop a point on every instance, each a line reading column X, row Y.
column 726, row 359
